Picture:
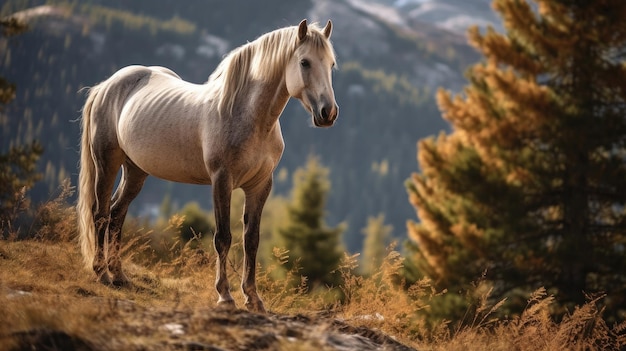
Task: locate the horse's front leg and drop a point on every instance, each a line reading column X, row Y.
column 222, row 190
column 255, row 200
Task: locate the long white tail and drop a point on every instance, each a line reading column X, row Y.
column 86, row 186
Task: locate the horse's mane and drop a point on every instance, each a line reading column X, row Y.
column 262, row 59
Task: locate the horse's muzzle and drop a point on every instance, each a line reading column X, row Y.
column 326, row 115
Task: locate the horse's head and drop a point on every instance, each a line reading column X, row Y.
column 309, row 77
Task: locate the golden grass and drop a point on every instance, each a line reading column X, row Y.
column 46, row 296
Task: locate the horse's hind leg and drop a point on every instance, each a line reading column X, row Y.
column 130, row 185
column 108, row 162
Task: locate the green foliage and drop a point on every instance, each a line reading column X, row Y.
column 311, row 245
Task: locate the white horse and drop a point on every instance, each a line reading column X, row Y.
column 148, row 121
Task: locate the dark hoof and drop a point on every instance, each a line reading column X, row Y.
column 122, row 283
column 114, row 282
column 120, row 280
column 256, row 306
column 226, row 305
column 104, row 278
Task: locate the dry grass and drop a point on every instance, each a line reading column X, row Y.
column 47, row 298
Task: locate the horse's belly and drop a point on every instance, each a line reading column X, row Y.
column 162, row 140
column 164, row 154
column 172, row 165
column 182, row 173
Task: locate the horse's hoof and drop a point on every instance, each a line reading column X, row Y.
column 226, row 304
column 120, row 280
column 121, row 283
column 104, row 278
column 256, row 306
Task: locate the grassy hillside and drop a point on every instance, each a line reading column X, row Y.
column 50, row 302
column 48, row 299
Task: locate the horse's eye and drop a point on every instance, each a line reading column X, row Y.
column 305, row 63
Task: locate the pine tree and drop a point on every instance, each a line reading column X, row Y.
column 530, row 185
column 314, row 249
column 377, row 235
column 9, row 27
column 18, row 171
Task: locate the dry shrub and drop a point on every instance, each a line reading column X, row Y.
column 165, row 241
column 9, row 217
column 277, row 288
column 148, row 244
column 382, row 300
column 535, row 329
column 55, row 219
column 52, row 220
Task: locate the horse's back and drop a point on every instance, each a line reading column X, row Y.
column 159, row 123
column 164, row 70
column 171, row 129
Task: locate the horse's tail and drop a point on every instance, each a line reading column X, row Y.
column 87, row 202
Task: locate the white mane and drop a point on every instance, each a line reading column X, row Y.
column 263, row 59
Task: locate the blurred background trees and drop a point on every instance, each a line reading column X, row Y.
column 18, row 166
column 315, row 250
column 377, row 238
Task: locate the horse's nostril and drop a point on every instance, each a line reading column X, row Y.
column 324, row 113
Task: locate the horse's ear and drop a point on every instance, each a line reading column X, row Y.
column 302, row 28
column 328, row 30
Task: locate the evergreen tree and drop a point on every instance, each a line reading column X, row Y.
column 9, row 27
column 530, row 185
column 377, row 235
column 314, row 248
column 18, row 171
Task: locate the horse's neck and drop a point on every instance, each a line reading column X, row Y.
column 266, row 100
